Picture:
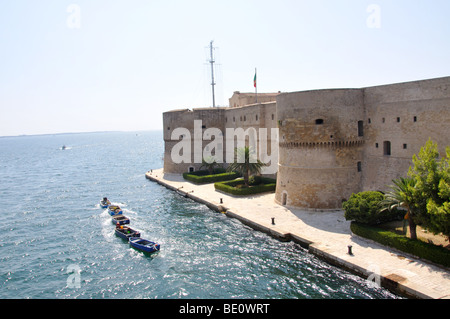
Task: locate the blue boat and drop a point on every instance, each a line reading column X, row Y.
column 120, row 219
column 144, row 245
column 126, row 232
column 104, row 203
column 114, row 210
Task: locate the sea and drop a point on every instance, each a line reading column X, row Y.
column 58, row 243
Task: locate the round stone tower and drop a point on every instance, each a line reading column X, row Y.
column 320, row 147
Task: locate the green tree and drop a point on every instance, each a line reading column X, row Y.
column 401, row 195
column 432, row 188
column 246, row 163
column 363, row 207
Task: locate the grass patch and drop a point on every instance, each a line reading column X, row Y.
column 205, row 177
column 237, row 187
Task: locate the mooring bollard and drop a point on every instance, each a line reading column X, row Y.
column 273, row 220
column 350, row 249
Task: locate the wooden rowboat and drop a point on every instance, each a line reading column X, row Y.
column 144, row 245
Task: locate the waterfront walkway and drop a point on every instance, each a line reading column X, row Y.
column 325, row 234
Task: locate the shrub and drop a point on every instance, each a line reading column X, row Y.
column 203, row 177
column 364, row 208
column 236, row 187
column 433, row 253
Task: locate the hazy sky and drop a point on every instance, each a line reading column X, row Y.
column 94, row 65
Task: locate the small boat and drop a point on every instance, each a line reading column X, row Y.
column 144, row 244
column 126, row 232
column 114, row 210
column 63, row 147
column 104, row 203
column 120, row 219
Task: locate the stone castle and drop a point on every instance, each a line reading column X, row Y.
column 332, row 142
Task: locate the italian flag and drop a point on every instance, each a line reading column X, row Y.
column 254, row 80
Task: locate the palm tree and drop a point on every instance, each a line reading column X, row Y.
column 246, row 163
column 209, row 163
column 402, row 196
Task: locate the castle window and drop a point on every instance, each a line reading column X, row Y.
column 203, row 126
column 360, row 128
column 387, row 148
column 358, row 165
column 319, row 121
column 398, row 120
column 245, row 118
column 415, row 118
column 376, row 145
column 383, row 120
column 256, row 116
column 273, row 117
column 369, row 120
column 234, row 119
column 191, row 169
column 405, row 146
column 168, row 128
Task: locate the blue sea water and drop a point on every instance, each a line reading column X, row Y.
column 58, row 243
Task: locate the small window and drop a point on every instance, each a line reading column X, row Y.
column 360, row 128
column 387, row 148
column 168, row 128
column 245, row 118
column 415, row 118
column 376, row 145
column 358, row 165
column 405, row 146
column 191, row 169
column 234, row 119
column 383, row 120
column 398, row 120
column 273, row 117
column 203, row 126
column 319, row 121
column 369, row 121
column 256, row 116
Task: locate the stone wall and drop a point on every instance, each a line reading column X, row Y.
column 403, row 116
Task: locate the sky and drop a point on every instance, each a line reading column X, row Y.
column 109, row 65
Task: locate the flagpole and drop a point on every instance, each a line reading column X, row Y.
column 256, row 89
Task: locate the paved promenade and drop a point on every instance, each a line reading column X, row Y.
column 325, row 234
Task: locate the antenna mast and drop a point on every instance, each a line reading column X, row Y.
column 212, row 72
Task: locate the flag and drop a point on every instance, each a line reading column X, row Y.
column 254, row 80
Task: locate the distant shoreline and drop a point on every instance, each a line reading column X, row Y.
column 73, row 133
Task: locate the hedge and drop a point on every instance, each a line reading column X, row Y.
column 433, row 253
column 364, row 208
column 265, row 185
column 204, row 177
